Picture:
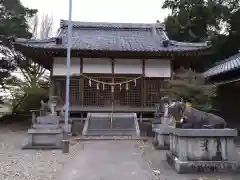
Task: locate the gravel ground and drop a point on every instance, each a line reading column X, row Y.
column 18, row 164
column 163, row 171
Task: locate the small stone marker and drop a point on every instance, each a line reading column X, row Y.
column 65, row 146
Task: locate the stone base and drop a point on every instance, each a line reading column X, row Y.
column 162, row 139
column 201, row 166
column 44, row 139
column 49, row 119
column 41, row 147
column 160, row 142
column 46, row 126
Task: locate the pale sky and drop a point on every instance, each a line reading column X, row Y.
column 130, row 11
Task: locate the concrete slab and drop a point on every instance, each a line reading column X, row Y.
column 107, row 160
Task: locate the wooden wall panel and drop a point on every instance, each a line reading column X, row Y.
column 137, row 95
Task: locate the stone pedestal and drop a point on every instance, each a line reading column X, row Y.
column 162, row 140
column 45, row 134
column 161, row 131
column 48, row 119
column 201, row 150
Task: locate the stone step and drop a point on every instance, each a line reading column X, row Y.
column 119, row 124
column 100, row 124
column 87, row 138
column 106, row 123
column 111, row 130
column 111, row 133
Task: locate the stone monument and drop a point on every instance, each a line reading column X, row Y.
column 46, row 132
column 201, row 143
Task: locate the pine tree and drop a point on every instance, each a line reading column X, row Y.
column 191, row 87
column 13, row 23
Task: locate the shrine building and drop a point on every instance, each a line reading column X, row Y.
column 118, row 67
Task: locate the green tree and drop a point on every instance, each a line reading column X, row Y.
column 230, row 44
column 32, row 72
column 190, row 86
column 201, row 20
column 28, row 91
column 24, row 98
column 13, row 23
column 195, row 20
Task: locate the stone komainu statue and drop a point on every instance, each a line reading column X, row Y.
column 190, row 117
column 46, row 108
column 160, row 107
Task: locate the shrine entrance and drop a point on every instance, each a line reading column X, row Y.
column 105, row 93
column 112, row 103
column 120, row 92
column 115, row 95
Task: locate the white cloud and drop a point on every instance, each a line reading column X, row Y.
column 132, row 11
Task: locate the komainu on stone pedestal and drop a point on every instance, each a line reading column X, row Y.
column 201, row 142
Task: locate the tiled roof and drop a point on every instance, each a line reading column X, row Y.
column 115, row 37
column 226, row 65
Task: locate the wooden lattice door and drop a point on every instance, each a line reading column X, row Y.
column 97, row 94
column 129, row 94
column 153, row 91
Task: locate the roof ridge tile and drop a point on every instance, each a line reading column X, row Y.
column 82, row 24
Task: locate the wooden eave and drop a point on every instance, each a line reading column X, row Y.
column 44, row 56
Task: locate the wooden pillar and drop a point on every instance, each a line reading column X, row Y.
column 81, row 83
column 113, row 80
column 143, row 90
column 51, row 83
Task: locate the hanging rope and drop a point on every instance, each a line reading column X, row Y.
column 111, row 84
